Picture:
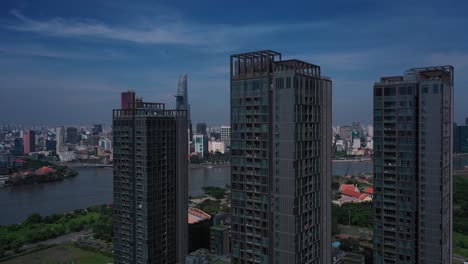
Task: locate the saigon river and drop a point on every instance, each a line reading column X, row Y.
column 94, row 186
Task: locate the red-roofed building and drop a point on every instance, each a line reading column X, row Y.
column 351, row 194
column 44, row 170
column 196, row 215
column 369, row 191
column 349, row 190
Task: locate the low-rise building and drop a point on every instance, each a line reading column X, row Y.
column 219, row 240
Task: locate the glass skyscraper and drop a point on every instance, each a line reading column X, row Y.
column 150, row 184
column 413, row 117
column 281, row 160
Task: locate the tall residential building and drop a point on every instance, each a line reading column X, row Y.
column 72, row 135
column 201, row 145
column 226, row 135
column 281, row 160
column 182, row 101
column 201, row 129
column 150, row 184
column 413, row 117
column 29, row 141
column 60, row 138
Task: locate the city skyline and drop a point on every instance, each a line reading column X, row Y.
column 146, row 48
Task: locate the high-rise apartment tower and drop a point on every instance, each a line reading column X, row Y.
column 150, row 184
column 281, row 160
column 413, row 120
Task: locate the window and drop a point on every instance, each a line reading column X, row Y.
column 425, row 89
column 390, row 91
column 377, row 91
column 435, row 89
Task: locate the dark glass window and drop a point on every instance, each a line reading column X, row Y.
column 390, row 91
column 377, row 91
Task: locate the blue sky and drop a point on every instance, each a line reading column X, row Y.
column 66, row 62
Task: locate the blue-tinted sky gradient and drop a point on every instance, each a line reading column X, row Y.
column 66, row 62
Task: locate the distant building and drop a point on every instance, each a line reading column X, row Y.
column 370, row 130
column 105, row 143
column 18, row 148
column 51, row 145
column 219, row 242
column 460, row 139
column 127, row 99
column 66, row 156
column 214, row 146
column 72, row 135
column 226, row 136
column 356, row 143
column 201, row 129
column 340, row 146
column 345, row 132
column 201, row 145
column 60, row 139
column 97, row 129
column 182, row 102
column 29, row 141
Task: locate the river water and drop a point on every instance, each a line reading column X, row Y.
column 94, row 186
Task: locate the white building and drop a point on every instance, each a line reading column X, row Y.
column 370, row 130
column 226, row 135
column 105, row 143
column 65, row 156
column 340, row 145
column 370, row 144
column 214, row 146
column 356, row 143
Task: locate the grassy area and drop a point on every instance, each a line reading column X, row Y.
column 61, row 254
column 37, row 228
column 460, row 244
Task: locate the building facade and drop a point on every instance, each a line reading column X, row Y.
column 460, row 139
column 219, row 240
column 226, row 135
column 29, row 141
column 150, row 184
column 413, row 117
column 60, row 138
column 281, row 160
column 127, row 99
column 182, row 102
column 201, row 145
column 72, row 135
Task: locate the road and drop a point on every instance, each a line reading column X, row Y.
column 72, row 237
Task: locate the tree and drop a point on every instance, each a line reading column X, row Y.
column 34, row 219
column 350, row 245
column 194, row 159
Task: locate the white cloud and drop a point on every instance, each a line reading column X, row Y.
column 172, row 32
